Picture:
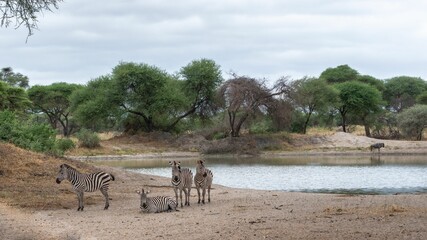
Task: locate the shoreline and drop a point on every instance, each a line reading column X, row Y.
column 232, row 214
column 196, row 155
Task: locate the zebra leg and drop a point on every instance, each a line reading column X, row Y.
column 185, row 196
column 176, row 195
column 198, row 194
column 180, row 196
column 209, row 194
column 204, row 193
column 188, row 196
column 105, row 193
column 80, row 199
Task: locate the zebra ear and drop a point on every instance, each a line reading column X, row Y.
column 139, row 192
column 170, row 163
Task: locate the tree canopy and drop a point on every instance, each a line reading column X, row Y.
column 413, row 121
column 54, row 101
column 13, row 79
column 356, row 98
column 401, row 92
column 13, row 98
column 339, row 74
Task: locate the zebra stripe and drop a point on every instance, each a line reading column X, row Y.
column 85, row 183
column 182, row 179
column 203, row 180
column 156, row 204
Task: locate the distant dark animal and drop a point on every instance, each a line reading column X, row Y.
column 85, row 182
column 377, row 146
column 156, row 204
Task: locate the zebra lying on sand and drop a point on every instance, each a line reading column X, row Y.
column 156, row 204
column 377, row 146
column 85, row 182
column 203, row 180
column 182, row 179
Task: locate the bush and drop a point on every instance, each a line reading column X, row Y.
column 88, row 139
column 413, row 120
column 35, row 137
column 64, row 144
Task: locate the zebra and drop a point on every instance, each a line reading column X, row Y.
column 377, row 146
column 203, row 179
column 156, row 204
column 85, row 182
column 182, row 179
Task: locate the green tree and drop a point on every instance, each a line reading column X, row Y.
column 54, row 101
column 201, row 79
column 13, row 98
column 413, row 120
column 13, row 79
column 24, row 12
column 310, row 95
column 339, row 74
column 401, row 92
column 146, row 92
column 95, row 106
column 422, row 98
column 378, row 84
column 358, row 99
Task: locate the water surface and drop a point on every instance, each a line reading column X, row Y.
column 365, row 174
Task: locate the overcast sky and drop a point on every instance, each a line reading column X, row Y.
column 264, row 39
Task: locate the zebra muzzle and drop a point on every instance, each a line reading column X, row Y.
column 57, row 181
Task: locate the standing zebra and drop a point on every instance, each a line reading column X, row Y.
column 85, row 182
column 203, row 179
column 156, row 204
column 182, row 179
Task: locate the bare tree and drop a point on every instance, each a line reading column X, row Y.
column 24, row 12
column 243, row 96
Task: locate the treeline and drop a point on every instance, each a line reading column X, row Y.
column 137, row 97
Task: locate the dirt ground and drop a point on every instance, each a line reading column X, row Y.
column 232, row 213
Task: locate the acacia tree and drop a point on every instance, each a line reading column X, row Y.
column 201, row 78
column 243, row 96
column 24, row 12
column 339, row 74
column 13, row 79
column 94, row 106
column 413, row 121
column 401, row 92
column 13, row 98
column 54, row 101
column 311, row 94
column 359, row 99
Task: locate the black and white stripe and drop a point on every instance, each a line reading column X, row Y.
column 85, row 182
column 203, row 180
column 156, row 204
column 182, row 179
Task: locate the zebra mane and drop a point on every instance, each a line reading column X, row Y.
column 68, row 167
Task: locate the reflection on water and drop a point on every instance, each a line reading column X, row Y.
column 363, row 174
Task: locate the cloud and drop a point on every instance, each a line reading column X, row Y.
column 271, row 38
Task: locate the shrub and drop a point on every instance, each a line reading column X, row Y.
column 88, row 138
column 64, row 144
column 35, row 137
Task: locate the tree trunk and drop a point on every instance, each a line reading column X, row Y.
column 304, row 130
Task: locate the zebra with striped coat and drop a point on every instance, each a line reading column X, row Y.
column 203, row 180
column 85, row 183
column 182, row 179
column 156, row 204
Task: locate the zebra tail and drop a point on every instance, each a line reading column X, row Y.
column 112, row 177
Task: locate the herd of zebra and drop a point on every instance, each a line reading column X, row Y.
column 182, row 181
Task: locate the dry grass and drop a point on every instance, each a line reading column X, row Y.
column 28, row 179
